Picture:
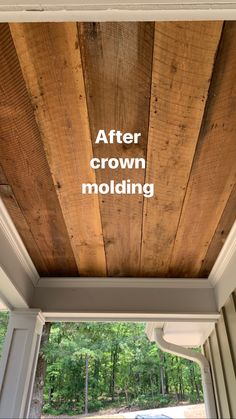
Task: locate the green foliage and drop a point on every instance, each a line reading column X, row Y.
column 124, row 369
column 3, row 327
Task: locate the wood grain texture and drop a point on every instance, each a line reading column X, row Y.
column 225, row 224
column 50, row 60
column 117, row 63
column 213, row 173
column 183, row 60
column 25, row 166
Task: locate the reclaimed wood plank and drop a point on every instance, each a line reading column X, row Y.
column 213, row 173
column 183, row 60
column 117, row 62
column 50, row 60
column 225, row 224
column 25, row 165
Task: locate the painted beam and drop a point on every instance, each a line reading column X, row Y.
column 108, row 10
column 156, row 298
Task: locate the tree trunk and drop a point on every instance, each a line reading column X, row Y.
column 86, row 385
column 114, row 360
column 166, row 375
column 37, row 397
column 162, row 373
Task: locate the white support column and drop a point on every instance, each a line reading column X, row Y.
column 18, row 363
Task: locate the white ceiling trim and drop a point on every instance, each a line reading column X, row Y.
column 226, row 254
column 108, row 10
column 223, row 273
column 167, row 283
column 18, row 248
column 10, row 297
column 135, row 317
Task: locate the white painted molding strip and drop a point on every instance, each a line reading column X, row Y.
column 223, row 274
column 166, row 283
column 108, row 10
column 18, row 248
column 9, row 295
column 227, row 253
column 137, row 317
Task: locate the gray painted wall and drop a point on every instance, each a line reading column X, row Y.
column 220, row 349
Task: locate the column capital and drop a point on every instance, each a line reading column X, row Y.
column 30, row 313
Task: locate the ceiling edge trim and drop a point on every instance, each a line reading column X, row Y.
column 121, row 282
column 18, row 248
column 225, row 256
column 103, row 10
column 223, row 274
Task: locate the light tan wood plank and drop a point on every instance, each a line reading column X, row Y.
column 50, row 60
column 213, row 174
column 25, row 166
column 183, row 60
column 117, row 62
column 221, row 234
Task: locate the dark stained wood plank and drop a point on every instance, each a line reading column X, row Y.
column 213, row 174
column 117, row 63
column 183, row 60
column 51, row 65
column 226, row 222
column 3, row 179
column 22, row 227
column 25, row 165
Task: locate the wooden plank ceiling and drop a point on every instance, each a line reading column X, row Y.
column 175, row 83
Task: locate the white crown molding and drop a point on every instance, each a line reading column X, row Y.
column 135, row 317
column 9, row 295
column 121, row 282
column 225, row 256
column 12, row 236
column 108, row 10
column 223, row 274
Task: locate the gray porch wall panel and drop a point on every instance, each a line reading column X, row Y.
column 220, row 349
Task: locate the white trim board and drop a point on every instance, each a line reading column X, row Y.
column 108, row 10
column 223, row 273
column 9, row 296
column 13, row 238
column 17, row 272
column 166, row 283
column 134, row 317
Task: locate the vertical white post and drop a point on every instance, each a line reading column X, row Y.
column 18, row 363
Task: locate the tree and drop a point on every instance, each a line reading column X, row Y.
column 95, row 365
column 37, row 396
column 86, row 383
